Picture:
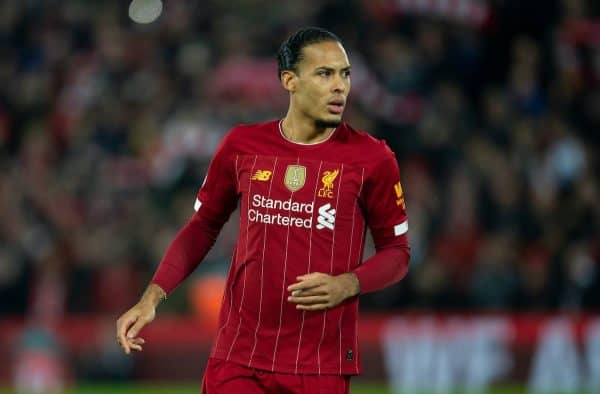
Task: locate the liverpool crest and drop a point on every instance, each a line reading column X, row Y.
column 295, row 177
column 328, row 179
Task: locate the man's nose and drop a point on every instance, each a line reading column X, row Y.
column 339, row 84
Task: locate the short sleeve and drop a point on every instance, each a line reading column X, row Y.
column 383, row 199
column 218, row 194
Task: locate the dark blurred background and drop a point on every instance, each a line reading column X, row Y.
column 107, row 128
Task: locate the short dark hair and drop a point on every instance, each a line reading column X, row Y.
column 290, row 51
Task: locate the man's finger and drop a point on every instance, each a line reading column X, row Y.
column 313, row 307
column 313, row 291
column 137, row 341
column 125, row 346
column 312, row 275
column 320, row 299
column 305, row 284
column 122, row 327
column 135, row 329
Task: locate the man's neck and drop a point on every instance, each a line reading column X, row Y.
column 304, row 131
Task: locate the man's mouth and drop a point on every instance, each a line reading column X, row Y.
column 336, row 106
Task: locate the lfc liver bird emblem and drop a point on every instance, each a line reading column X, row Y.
column 328, row 179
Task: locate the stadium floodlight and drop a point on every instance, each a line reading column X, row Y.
column 145, row 11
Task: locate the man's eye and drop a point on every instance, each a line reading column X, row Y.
column 324, row 73
column 346, row 73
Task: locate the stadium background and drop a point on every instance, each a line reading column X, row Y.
column 493, row 108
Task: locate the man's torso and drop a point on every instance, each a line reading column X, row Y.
column 300, row 212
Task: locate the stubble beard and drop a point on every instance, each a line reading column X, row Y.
column 325, row 124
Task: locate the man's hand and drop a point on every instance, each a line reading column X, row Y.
column 317, row 291
column 131, row 322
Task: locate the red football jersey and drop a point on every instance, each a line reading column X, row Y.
column 304, row 208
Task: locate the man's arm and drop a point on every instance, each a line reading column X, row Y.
column 216, row 200
column 317, row 291
column 142, row 313
column 383, row 199
column 386, row 216
column 188, row 249
column 184, row 254
column 383, row 269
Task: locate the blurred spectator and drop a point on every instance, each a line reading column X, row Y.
column 107, row 127
column 39, row 365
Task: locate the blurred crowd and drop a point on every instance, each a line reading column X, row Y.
column 107, row 128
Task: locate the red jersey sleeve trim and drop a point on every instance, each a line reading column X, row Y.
column 386, row 267
column 187, row 250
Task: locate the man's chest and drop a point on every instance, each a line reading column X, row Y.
column 326, row 190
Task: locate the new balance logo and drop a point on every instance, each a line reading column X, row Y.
column 262, row 175
column 326, row 218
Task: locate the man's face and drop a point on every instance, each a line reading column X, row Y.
column 322, row 83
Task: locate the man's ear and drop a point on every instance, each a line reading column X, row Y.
column 289, row 80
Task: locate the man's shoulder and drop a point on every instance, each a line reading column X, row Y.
column 371, row 147
column 242, row 136
column 249, row 130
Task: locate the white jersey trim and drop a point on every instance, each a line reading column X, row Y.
column 401, row 228
column 303, row 143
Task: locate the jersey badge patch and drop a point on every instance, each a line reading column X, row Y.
column 262, row 175
column 328, row 179
column 295, row 176
column 399, row 195
column 326, row 218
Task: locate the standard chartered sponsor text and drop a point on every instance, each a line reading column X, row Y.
column 287, row 218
